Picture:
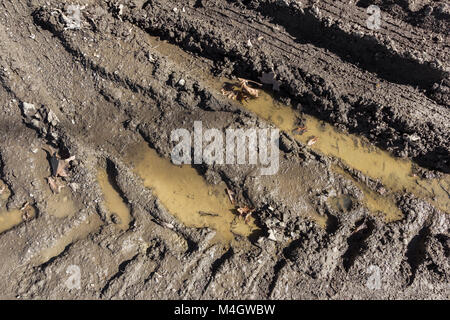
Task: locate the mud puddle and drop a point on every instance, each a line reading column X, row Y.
column 13, row 217
column 113, row 200
column 394, row 173
column 186, row 194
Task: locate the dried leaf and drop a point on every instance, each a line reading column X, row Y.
column 248, row 90
column 204, row 213
column 243, row 211
column 242, row 92
column 61, row 168
column 230, row 94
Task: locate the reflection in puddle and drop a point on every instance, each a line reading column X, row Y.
column 113, row 201
column 11, row 218
column 186, row 194
column 394, row 173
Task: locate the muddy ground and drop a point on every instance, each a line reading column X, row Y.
column 132, row 71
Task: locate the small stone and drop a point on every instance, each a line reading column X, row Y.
column 28, row 109
column 272, row 235
column 36, row 123
column 54, row 135
column 182, row 82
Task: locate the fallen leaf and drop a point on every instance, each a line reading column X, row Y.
column 61, row 168
column 54, row 186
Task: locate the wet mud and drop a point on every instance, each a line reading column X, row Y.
column 86, row 178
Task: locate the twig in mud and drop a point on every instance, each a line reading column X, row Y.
column 360, row 227
column 248, row 90
column 242, row 80
column 231, row 196
column 203, row 213
column 25, row 205
column 442, row 187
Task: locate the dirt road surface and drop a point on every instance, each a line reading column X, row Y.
column 91, row 206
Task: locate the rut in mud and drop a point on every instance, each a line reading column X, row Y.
column 369, row 195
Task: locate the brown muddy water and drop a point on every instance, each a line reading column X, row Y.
column 394, row 173
column 187, row 195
